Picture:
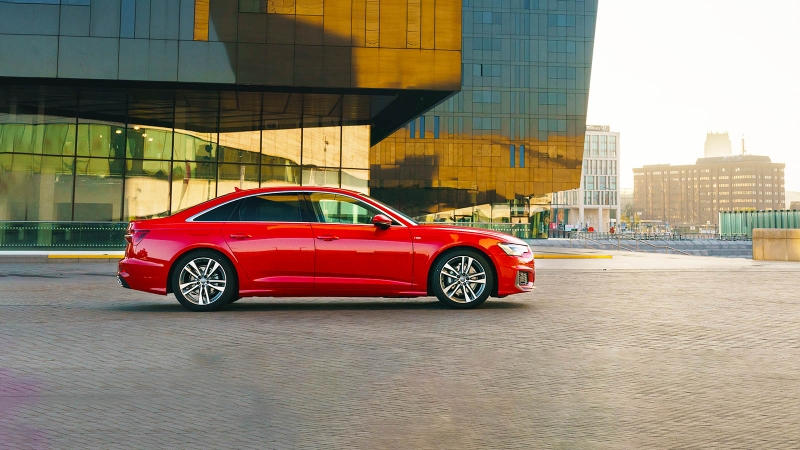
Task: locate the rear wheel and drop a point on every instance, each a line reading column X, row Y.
column 204, row 281
column 463, row 279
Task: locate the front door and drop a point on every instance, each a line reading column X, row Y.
column 273, row 241
column 353, row 256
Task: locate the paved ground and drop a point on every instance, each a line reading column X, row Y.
column 641, row 351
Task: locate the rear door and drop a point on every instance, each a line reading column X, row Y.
column 272, row 239
column 354, row 257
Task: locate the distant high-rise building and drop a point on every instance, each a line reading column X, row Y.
column 717, row 144
column 596, row 202
column 695, row 194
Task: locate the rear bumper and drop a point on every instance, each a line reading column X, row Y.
column 122, row 281
column 141, row 275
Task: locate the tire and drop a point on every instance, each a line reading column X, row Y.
column 462, row 279
column 201, row 290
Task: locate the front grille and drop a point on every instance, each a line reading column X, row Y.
column 522, row 278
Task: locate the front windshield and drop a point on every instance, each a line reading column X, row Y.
column 394, row 211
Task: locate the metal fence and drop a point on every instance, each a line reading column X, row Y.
column 520, row 230
column 62, row 235
column 633, row 236
column 741, row 223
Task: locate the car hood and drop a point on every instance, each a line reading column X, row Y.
column 474, row 231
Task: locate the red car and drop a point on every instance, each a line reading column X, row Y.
column 320, row 242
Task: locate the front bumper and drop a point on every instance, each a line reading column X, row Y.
column 516, row 274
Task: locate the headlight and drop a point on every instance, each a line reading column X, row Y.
column 515, row 249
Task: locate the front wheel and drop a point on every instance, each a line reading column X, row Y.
column 463, row 279
column 204, row 281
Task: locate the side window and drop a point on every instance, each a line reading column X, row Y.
column 221, row 213
column 332, row 208
column 270, row 208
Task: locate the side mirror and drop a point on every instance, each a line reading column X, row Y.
column 381, row 221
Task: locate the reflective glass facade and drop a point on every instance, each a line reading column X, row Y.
column 515, row 132
column 104, row 155
column 118, row 109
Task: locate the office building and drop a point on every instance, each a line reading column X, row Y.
column 514, row 134
column 112, row 110
column 693, row 195
column 596, row 204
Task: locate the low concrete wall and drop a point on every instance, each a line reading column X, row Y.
column 776, row 245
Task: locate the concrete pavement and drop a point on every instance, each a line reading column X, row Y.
column 638, row 351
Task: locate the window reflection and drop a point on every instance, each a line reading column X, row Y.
column 163, row 159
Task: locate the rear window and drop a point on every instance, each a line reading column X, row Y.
column 221, row 213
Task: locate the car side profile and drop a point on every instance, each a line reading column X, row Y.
column 317, row 242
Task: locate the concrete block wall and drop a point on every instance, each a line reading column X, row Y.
column 776, row 245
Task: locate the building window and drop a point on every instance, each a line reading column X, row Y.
column 422, row 127
column 436, row 127
column 412, row 128
column 522, row 156
column 513, row 154
column 127, row 18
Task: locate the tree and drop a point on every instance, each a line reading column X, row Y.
column 629, row 216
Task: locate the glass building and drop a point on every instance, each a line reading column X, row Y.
column 514, row 134
column 112, row 110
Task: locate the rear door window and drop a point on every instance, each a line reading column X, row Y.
column 271, row 208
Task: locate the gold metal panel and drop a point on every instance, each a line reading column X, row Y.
column 281, row 7
column 393, row 23
column 447, row 22
column 427, row 29
column 359, row 28
column 414, row 23
column 280, row 29
column 365, row 68
column 308, row 30
column 373, row 23
column 337, row 22
column 280, row 65
column 309, row 7
column 308, row 65
column 201, row 20
column 336, row 66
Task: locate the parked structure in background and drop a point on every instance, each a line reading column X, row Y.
column 717, row 144
column 694, row 195
column 596, row 203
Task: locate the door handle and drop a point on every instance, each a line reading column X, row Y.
column 328, row 238
column 241, row 236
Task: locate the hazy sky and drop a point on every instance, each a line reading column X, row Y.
column 667, row 72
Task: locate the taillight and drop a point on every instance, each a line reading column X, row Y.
column 135, row 236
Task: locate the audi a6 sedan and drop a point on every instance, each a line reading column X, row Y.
column 320, row 242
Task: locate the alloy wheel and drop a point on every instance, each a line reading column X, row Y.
column 202, row 281
column 462, row 279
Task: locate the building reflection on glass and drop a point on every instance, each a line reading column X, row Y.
column 57, row 168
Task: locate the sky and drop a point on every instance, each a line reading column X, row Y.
column 666, row 73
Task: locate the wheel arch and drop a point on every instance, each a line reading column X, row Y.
column 444, row 253
column 188, row 251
